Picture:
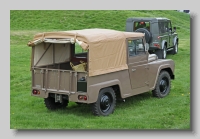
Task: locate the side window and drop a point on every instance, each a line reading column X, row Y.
column 169, row 25
column 166, row 26
column 136, row 47
column 79, row 51
column 161, row 27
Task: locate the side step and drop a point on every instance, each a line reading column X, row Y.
column 170, row 49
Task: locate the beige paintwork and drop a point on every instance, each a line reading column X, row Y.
column 107, row 48
column 51, row 72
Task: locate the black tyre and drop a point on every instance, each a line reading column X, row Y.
column 148, row 34
column 161, row 53
column 79, row 103
column 52, row 105
column 175, row 48
column 164, row 52
column 105, row 103
column 163, row 85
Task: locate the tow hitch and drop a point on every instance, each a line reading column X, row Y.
column 58, row 98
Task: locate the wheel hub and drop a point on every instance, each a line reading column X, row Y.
column 105, row 103
column 176, row 48
column 164, row 53
column 163, row 86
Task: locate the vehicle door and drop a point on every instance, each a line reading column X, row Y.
column 137, row 63
column 164, row 32
column 171, row 34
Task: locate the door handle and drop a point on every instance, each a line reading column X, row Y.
column 133, row 69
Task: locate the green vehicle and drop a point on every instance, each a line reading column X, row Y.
column 160, row 37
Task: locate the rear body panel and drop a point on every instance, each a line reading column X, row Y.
column 65, row 82
column 55, row 81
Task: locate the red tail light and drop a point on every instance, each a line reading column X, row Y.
column 82, row 97
column 156, row 45
column 36, row 92
column 85, row 98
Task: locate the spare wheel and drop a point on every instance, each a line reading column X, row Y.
column 148, row 34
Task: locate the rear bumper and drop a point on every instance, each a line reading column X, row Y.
column 72, row 96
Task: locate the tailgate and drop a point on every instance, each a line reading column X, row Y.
column 63, row 81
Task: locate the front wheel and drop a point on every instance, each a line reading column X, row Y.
column 175, row 49
column 164, row 52
column 163, row 85
column 105, row 103
column 161, row 53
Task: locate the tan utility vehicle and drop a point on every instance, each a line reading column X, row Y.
column 95, row 66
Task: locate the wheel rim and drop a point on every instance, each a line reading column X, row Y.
column 164, row 83
column 106, row 102
column 164, row 53
column 176, row 48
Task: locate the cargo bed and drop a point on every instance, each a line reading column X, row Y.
column 56, row 80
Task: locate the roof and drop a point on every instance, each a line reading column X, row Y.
column 90, row 35
column 146, row 18
column 107, row 48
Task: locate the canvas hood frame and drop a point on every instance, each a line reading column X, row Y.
column 107, row 48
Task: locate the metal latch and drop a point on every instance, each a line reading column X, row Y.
column 58, row 98
column 41, row 71
column 133, row 69
column 147, row 83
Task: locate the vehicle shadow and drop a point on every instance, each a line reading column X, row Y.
column 84, row 110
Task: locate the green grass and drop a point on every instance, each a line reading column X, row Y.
column 138, row 112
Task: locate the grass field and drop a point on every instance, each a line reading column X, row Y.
column 138, row 112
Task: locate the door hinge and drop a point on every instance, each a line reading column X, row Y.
column 133, row 69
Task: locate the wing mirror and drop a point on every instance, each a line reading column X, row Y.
column 174, row 29
column 170, row 29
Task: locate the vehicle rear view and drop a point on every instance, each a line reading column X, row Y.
column 160, row 38
column 73, row 66
column 53, row 77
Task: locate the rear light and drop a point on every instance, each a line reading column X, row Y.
column 36, row 92
column 156, row 45
column 82, row 97
column 85, row 98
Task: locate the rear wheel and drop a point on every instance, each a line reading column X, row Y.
column 79, row 103
column 105, row 103
column 163, row 85
column 52, row 105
